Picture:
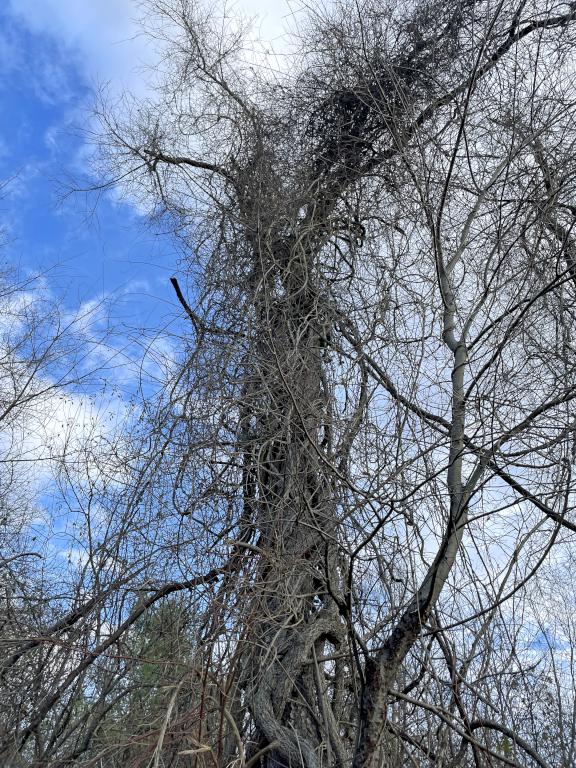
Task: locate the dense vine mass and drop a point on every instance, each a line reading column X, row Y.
column 343, row 532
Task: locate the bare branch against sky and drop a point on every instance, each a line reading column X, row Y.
column 288, row 385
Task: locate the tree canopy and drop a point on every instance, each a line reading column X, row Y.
column 342, row 532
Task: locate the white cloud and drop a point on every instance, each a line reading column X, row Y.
column 270, row 19
column 60, row 429
column 102, row 34
column 105, row 38
column 45, row 418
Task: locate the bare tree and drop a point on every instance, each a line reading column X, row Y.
column 364, row 464
column 381, row 376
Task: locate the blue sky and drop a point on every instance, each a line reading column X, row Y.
column 46, row 92
column 53, row 55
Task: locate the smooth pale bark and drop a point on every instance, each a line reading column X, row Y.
column 382, row 668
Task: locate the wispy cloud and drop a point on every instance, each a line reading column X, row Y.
column 46, row 419
column 105, row 37
column 101, row 37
